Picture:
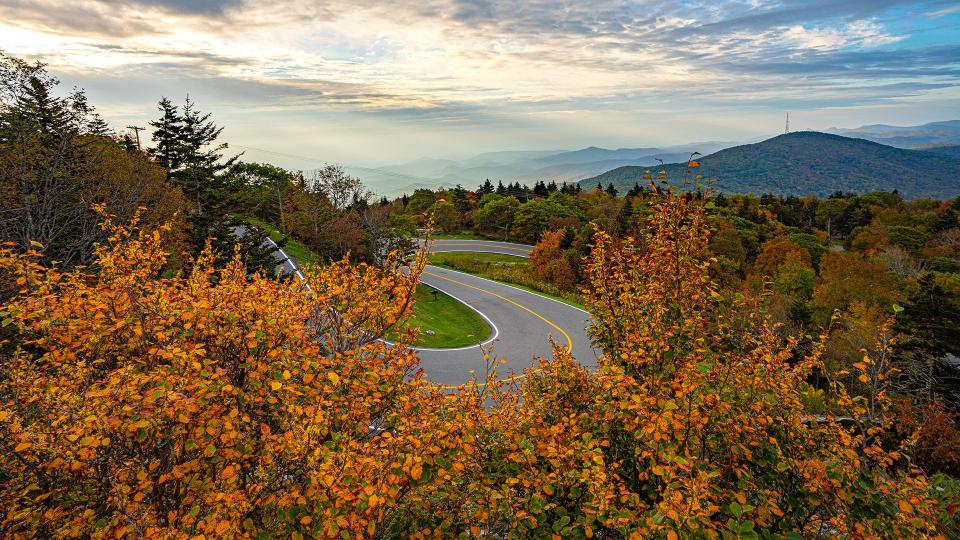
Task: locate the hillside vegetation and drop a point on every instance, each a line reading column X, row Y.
column 813, row 163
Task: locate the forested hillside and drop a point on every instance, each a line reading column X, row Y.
column 812, row 163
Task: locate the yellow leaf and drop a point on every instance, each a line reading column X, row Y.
column 275, row 385
column 905, row 507
column 334, row 378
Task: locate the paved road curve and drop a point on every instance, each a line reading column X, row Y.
column 522, row 320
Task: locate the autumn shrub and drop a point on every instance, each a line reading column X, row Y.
column 937, row 447
column 693, row 426
column 209, row 404
column 228, row 405
column 551, row 262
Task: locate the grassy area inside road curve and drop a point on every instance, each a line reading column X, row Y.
column 509, row 269
column 453, row 323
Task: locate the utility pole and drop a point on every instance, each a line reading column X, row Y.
column 136, row 129
column 787, row 129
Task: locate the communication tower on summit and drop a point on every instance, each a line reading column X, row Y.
column 787, row 128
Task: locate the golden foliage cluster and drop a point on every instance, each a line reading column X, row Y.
column 228, row 405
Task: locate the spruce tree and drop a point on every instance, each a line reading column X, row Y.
column 201, row 158
column 167, row 131
column 487, row 187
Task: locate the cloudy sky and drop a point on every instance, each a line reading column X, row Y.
column 371, row 83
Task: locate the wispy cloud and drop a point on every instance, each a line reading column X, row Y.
column 450, row 61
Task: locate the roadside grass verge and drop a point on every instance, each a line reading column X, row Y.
column 509, row 269
column 465, row 235
column 301, row 253
column 453, row 324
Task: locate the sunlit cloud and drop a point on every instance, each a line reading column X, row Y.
column 437, row 65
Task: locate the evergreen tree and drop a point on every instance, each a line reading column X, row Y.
column 501, row 190
column 930, row 322
column 540, row 189
column 460, row 200
column 405, row 200
column 201, row 158
column 635, row 190
column 167, row 131
column 487, row 187
column 611, row 190
column 624, row 222
column 551, row 187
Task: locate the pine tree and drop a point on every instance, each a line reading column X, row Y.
column 611, row 190
column 501, row 190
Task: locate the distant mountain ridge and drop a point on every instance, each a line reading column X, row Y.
column 525, row 166
column 813, row 163
column 942, row 133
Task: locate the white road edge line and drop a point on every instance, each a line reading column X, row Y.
column 496, row 331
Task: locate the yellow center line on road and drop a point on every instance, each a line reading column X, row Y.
column 518, row 304
column 523, row 250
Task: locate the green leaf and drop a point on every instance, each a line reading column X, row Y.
column 736, row 509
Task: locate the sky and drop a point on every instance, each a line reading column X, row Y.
column 373, row 83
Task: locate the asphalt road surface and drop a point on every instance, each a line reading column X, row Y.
column 522, row 321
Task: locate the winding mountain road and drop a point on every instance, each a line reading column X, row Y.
column 522, row 321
